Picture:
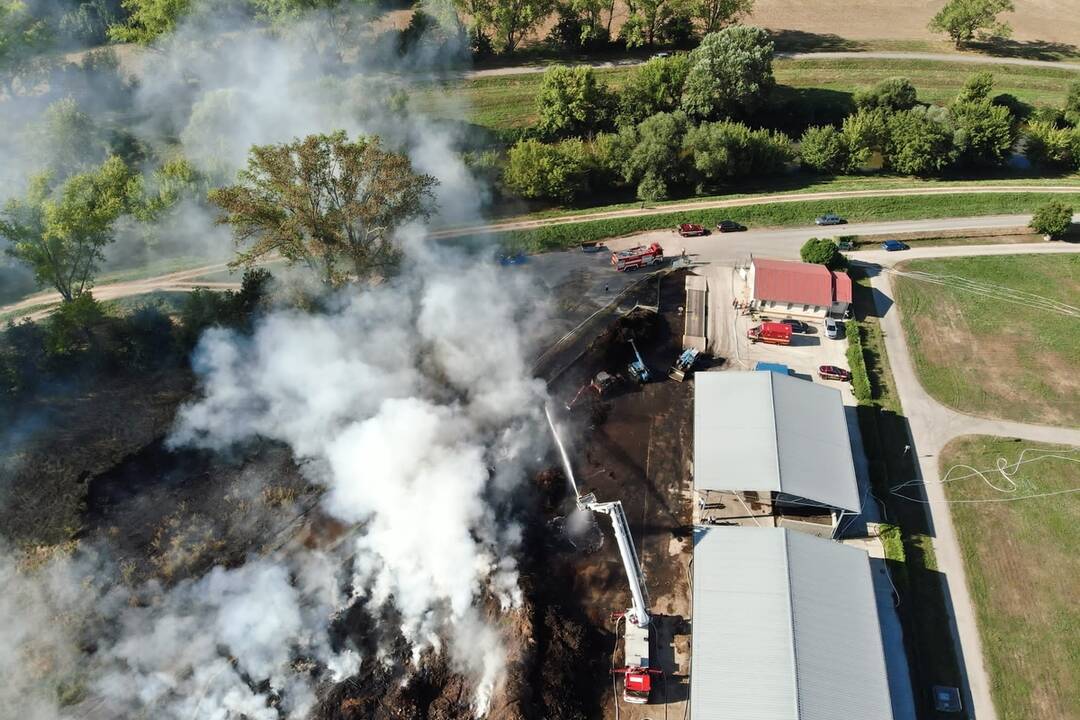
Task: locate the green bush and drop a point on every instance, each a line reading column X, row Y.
column 572, row 102
column 731, row 150
column 896, row 93
column 822, row 251
column 1052, row 219
column 860, row 380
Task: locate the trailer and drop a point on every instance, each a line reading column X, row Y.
column 683, row 364
column 771, row 333
column 637, row 257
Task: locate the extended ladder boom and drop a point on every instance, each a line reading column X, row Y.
column 639, row 615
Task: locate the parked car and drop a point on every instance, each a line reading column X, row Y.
column 829, row 219
column 833, row 329
column 894, row 245
column 691, row 230
column 796, row 325
column 729, row 226
column 514, row 259
column 831, row 372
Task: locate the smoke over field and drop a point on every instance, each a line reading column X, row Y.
column 409, row 404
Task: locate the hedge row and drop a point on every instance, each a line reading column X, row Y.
column 860, row 381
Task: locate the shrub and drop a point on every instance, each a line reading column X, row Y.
column 860, row 380
column 896, row 93
column 1052, row 219
column 1049, row 146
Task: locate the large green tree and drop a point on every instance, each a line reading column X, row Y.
column 730, row 73
column 326, row 201
column 984, row 133
column 822, row 149
column 716, row 14
column 729, row 150
column 149, row 19
column 651, row 154
column 964, row 20
column 571, row 101
column 652, row 88
column 919, row 143
column 555, row 171
column 61, row 232
column 1049, row 146
column 23, row 37
column 822, row 251
column 646, row 19
column 508, row 21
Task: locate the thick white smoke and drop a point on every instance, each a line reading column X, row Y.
column 414, row 401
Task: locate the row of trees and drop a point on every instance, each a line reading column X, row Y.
column 728, row 75
column 324, row 200
column 975, row 130
column 661, row 154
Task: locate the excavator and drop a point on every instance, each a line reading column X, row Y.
column 637, row 674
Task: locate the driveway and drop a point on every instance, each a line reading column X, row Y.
column 932, row 426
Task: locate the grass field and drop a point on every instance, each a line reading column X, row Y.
column 508, row 102
column 785, row 214
column 1023, row 567
column 1021, row 357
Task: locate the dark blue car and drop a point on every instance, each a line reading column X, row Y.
column 893, row 245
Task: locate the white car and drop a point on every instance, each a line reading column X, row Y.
column 832, row 329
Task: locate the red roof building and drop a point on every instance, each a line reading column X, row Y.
column 796, row 288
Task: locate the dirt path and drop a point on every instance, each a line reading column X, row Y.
column 932, row 426
column 828, row 55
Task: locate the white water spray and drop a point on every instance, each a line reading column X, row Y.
column 562, row 453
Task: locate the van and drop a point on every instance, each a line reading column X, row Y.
column 832, row 329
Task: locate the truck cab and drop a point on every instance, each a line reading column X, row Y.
column 637, row 681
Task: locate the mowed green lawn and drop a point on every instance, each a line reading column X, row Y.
column 507, row 102
column 1023, row 568
column 996, row 348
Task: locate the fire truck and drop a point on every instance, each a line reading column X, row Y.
column 637, row 257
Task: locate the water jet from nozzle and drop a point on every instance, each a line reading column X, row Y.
column 567, row 470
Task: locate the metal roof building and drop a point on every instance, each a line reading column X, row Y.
column 768, row 432
column 785, row 628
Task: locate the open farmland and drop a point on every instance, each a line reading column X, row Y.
column 1008, row 319
column 1023, row 570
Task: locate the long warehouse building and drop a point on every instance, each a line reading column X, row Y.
column 785, row 628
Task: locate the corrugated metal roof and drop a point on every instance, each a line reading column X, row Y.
column 769, row 432
column 785, row 627
column 793, row 282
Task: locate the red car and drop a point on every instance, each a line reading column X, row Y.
column 691, row 230
column 831, row 372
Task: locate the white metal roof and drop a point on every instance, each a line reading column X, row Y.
column 785, row 627
column 769, row 432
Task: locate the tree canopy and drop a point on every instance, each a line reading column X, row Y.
column 22, row 38
column 822, row 251
column 571, row 101
column 508, row 21
column 60, row 232
column 964, row 20
column 895, row 93
column 730, row 73
column 715, row 14
column 149, row 19
column 326, row 201
column 652, row 88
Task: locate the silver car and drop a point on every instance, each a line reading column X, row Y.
column 829, row 219
column 832, row 329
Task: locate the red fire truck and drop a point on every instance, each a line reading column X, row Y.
column 771, row 332
column 637, row 257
